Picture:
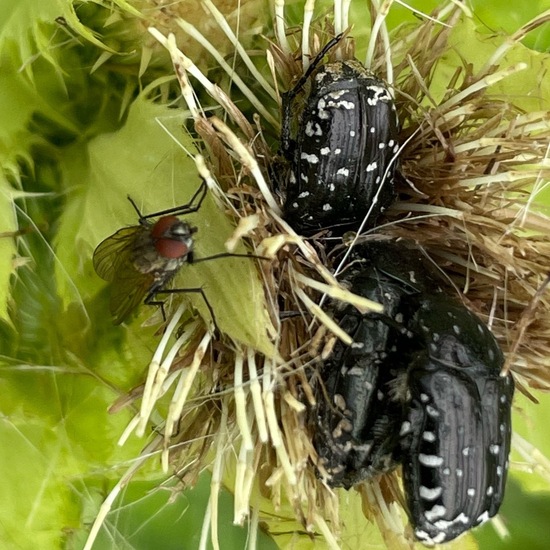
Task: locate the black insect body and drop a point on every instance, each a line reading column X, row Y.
column 344, row 157
column 357, row 421
column 455, row 456
column 360, row 411
column 424, row 390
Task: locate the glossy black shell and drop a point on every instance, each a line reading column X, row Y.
column 455, row 455
column 358, row 427
column 357, row 424
column 344, row 156
column 424, row 390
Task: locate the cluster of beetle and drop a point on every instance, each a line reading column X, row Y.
column 421, row 386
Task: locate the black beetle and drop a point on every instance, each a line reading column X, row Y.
column 357, row 424
column 344, row 156
column 455, row 454
column 424, row 390
column 360, row 413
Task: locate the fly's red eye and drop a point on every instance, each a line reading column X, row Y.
column 170, row 248
column 163, row 225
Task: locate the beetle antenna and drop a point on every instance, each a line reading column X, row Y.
column 288, row 97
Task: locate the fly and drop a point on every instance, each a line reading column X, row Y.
column 140, row 261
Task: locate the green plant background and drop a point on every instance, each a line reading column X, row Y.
column 74, row 140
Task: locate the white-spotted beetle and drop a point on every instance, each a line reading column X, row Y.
column 360, row 410
column 345, row 154
column 425, row 391
column 357, row 424
column 455, row 455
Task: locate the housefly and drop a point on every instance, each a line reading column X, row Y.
column 141, row 260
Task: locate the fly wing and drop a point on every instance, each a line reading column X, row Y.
column 113, row 262
column 128, row 289
column 111, row 254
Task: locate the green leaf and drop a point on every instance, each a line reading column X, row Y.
column 54, row 428
column 7, row 246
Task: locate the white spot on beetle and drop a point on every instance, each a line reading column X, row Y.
column 339, row 401
column 430, row 437
column 312, row 159
column 422, row 535
column 466, row 451
column 459, row 472
column 499, row 471
column 352, row 133
column 325, row 151
column 337, row 151
column 471, row 492
column 456, row 329
column 327, row 207
column 354, row 371
column 424, row 398
column 379, row 91
column 436, row 512
column 336, row 94
column 446, row 471
column 430, row 461
column 372, row 129
column 304, row 178
column 348, row 105
column 380, row 395
column 381, row 145
column 444, row 524
column 491, row 355
column 490, row 490
column 323, row 114
column 430, row 494
column 371, row 167
column 439, row 538
column 482, row 518
column 405, row 428
column 343, row 426
column 303, row 195
column 462, row 518
column 343, row 172
column 494, row 449
column 432, row 411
